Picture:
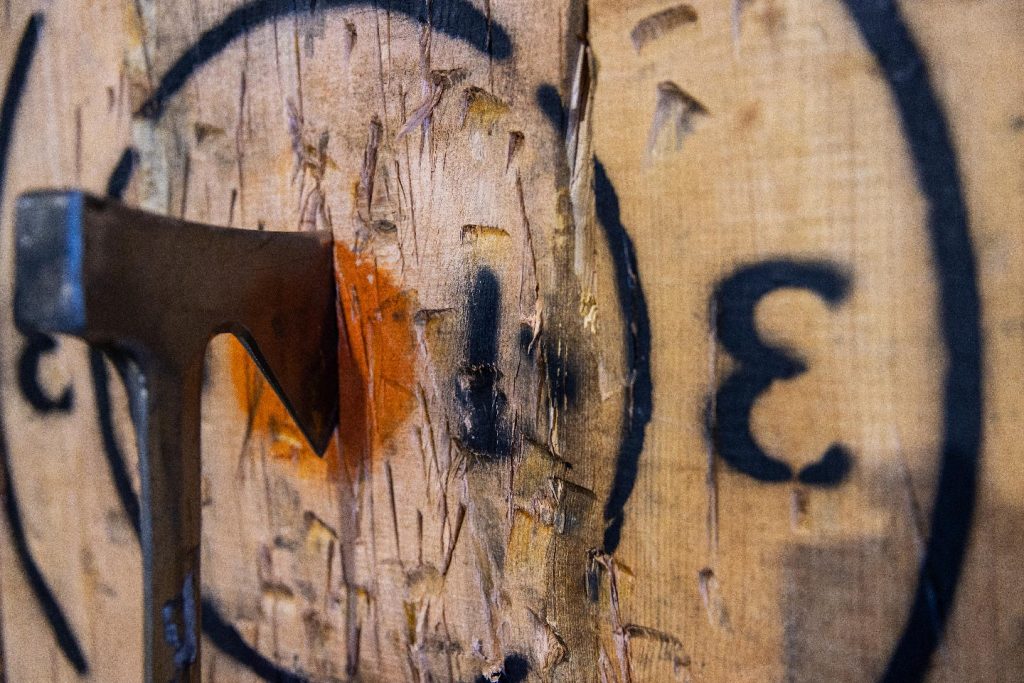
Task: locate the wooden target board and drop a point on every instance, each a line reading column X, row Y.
column 679, row 340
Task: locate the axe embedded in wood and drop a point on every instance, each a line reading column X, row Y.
column 153, row 290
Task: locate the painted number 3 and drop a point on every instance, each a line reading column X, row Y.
column 759, row 364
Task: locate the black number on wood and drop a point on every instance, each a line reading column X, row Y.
column 36, row 346
column 760, row 364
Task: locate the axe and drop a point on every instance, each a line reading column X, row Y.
column 152, row 291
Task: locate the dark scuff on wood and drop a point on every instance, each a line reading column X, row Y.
column 654, row 26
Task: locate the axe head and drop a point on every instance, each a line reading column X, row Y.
column 160, row 288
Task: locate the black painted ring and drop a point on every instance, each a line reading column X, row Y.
column 935, row 160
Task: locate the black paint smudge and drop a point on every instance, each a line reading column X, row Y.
column 116, row 461
column 637, row 328
column 760, row 365
column 484, row 319
column 481, row 402
column 938, row 174
column 36, row 345
column 456, row 18
column 830, row 470
column 550, row 102
column 62, row 631
column 562, row 378
column 514, row 669
column 119, row 178
column 229, row 641
column 555, row 361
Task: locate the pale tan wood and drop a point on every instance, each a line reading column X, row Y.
column 407, row 554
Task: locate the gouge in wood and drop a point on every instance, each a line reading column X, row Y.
column 152, row 291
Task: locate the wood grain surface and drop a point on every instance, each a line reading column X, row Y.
column 680, row 341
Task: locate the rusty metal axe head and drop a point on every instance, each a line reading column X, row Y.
column 161, row 288
column 153, row 290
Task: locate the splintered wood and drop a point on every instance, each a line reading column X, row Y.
column 672, row 338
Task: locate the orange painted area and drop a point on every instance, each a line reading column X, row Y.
column 270, row 423
column 376, row 366
column 376, row 357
